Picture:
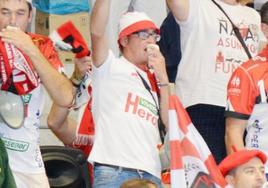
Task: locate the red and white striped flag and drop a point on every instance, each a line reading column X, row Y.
column 191, row 162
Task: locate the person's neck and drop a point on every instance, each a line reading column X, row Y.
column 230, row 2
column 141, row 65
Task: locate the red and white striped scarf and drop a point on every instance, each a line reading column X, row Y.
column 85, row 125
column 85, row 130
column 16, row 69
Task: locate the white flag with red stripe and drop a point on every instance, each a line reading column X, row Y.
column 192, row 164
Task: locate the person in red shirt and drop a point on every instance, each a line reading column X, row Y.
column 247, row 101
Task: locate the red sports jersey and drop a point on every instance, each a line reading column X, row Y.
column 247, row 87
column 247, row 99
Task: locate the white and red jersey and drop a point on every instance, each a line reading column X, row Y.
column 211, row 51
column 23, row 144
column 125, row 116
column 247, row 99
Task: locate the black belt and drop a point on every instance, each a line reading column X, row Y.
column 118, row 167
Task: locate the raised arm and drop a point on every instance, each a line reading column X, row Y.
column 62, row 126
column 157, row 62
column 57, row 85
column 179, row 8
column 234, row 133
column 99, row 19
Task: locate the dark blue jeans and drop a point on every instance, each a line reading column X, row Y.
column 114, row 177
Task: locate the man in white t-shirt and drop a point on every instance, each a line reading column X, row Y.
column 155, row 9
column 29, row 64
column 125, row 103
column 210, row 53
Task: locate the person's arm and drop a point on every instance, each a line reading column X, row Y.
column 241, row 97
column 234, row 132
column 99, row 20
column 62, row 126
column 57, row 85
column 81, row 67
column 164, row 98
column 157, row 62
column 179, row 8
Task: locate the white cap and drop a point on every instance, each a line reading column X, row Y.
column 131, row 22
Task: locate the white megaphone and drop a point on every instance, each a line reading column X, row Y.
column 11, row 109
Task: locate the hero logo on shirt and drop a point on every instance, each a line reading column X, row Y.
column 235, row 81
column 142, row 108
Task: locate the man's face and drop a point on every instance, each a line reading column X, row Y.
column 137, row 43
column 14, row 13
column 248, row 175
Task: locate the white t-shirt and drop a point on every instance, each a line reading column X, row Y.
column 125, row 117
column 23, row 144
column 211, row 51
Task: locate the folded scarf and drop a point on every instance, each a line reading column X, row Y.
column 85, row 130
column 17, row 71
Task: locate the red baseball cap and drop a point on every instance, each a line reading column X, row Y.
column 238, row 158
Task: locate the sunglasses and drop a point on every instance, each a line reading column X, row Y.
column 144, row 35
